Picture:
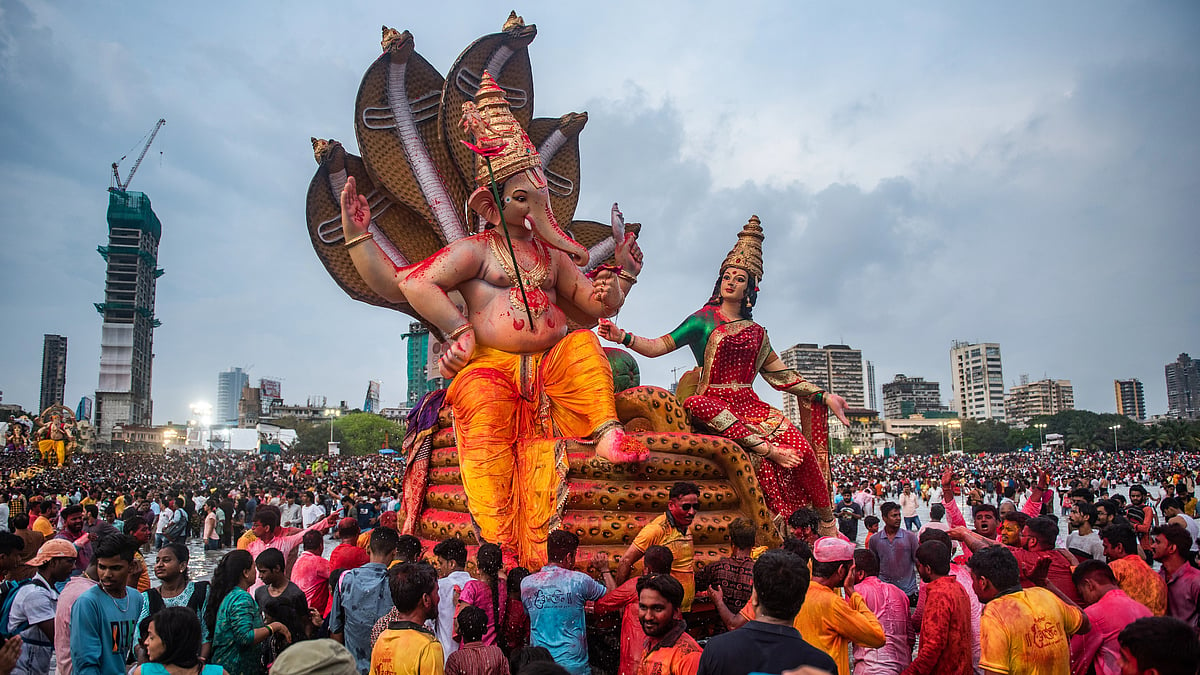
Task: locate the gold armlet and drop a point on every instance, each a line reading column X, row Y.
column 627, row 277
column 454, row 334
column 790, row 381
column 360, row 238
column 756, row 444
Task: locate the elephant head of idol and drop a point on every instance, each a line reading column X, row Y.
column 507, row 158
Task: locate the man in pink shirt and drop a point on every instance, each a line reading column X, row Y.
column 1109, row 610
column 62, row 615
column 311, row 572
column 890, row 606
column 270, row 535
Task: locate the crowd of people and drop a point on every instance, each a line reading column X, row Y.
column 1115, row 590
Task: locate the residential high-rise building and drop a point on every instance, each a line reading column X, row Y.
column 834, row 368
column 905, row 396
column 54, row 371
column 1130, row 400
column 423, row 354
column 127, row 334
column 1033, row 399
column 1183, row 387
column 977, row 380
column 229, row 393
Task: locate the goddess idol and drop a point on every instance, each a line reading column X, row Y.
column 731, row 349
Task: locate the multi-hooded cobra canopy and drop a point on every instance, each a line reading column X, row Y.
column 415, row 169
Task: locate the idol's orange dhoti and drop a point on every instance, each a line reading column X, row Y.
column 511, row 412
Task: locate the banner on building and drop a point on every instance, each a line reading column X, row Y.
column 270, row 389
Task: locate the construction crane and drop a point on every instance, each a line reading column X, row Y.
column 116, row 176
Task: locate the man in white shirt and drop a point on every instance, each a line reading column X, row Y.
column 34, row 606
column 908, row 508
column 290, row 512
column 451, row 565
column 935, row 494
column 310, row 511
column 1083, row 541
column 165, row 514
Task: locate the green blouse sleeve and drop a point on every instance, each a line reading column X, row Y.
column 694, row 332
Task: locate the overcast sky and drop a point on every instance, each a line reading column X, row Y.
column 1023, row 172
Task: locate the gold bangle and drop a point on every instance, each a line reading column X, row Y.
column 627, row 277
column 360, row 238
column 454, row 334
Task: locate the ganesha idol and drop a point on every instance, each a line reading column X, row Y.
column 530, row 437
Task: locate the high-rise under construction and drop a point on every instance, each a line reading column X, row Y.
column 127, row 337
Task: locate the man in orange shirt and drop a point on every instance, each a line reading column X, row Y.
column 46, row 511
column 1133, row 575
column 624, row 598
column 828, row 621
column 668, row 649
column 672, row 529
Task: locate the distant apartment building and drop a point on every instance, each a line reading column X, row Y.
column 1183, row 387
column 1033, row 399
column 906, row 396
column 229, row 393
column 250, row 407
column 1130, row 400
column 54, row 371
column 977, row 380
column 833, row 368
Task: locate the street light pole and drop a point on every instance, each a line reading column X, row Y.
column 942, row 435
column 1114, row 430
column 1041, row 434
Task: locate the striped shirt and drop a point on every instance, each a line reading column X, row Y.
column 476, row 658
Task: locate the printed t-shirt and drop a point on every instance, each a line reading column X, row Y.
column 1026, row 632
column 103, row 631
column 554, row 599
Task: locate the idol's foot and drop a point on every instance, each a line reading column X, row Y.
column 618, row 447
column 827, row 526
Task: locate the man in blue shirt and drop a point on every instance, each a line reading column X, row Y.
column 554, row 600
column 897, row 551
column 362, row 597
column 104, row 619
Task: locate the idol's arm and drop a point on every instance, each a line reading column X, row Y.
column 650, row 347
column 425, row 285
column 381, row 275
column 785, row 379
column 600, row 297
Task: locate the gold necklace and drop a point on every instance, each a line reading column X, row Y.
column 531, row 279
